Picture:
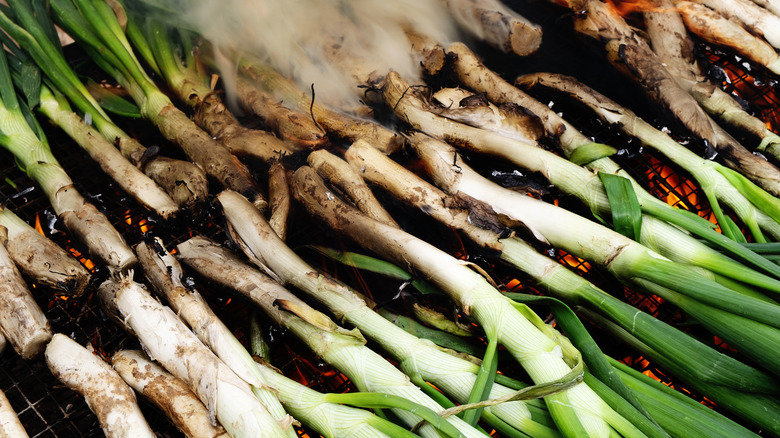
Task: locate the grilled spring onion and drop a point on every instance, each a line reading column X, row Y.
column 473, row 74
column 326, row 418
column 35, row 158
column 708, row 174
column 168, row 341
column 418, row 359
column 762, row 410
column 671, row 42
column 184, row 182
column 22, row 322
column 94, row 24
column 127, row 176
column 106, row 393
column 335, row 123
column 181, row 75
column 579, row 182
column 715, row 28
column 687, row 353
column 330, row 419
column 169, row 394
column 10, row 425
column 165, row 275
column 343, row 349
column 631, row 54
column 40, row 259
column 720, row 309
column 499, row 26
column 576, row 411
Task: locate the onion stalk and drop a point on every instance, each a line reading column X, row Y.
column 338, row 125
column 499, row 26
column 165, row 275
column 166, row 392
column 40, row 259
column 22, row 322
column 183, row 181
column 576, row 411
column 343, row 349
column 476, row 76
column 139, row 186
column 326, row 417
column 127, row 176
column 720, row 309
column 708, row 174
column 715, row 28
column 419, row 359
column 632, row 55
column 168, row 341
column 35, row 158
column 330, row 419
column 550, row 275
column 670, row 41
column 758, row 409
column 211, row 114
column 567, row 176
column 94, row 24
column 105, row 392
column 10, row 425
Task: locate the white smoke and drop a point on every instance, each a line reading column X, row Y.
column 305, row 39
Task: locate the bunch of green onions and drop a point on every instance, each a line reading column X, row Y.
column 731, row 299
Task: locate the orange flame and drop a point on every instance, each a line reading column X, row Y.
column 38, row 226
column 89, row 264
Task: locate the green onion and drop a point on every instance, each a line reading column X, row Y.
column 94, row 24
column 453, row 375
column 173, row 345
column 626, row 213
column 109, row 397
column 343, row 349
column 35, row 158
column 186, row 184
column 540, row 355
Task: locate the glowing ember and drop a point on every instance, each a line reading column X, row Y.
column 760, row 92
column 89, row 264
column 575, row 262
column 677, row 190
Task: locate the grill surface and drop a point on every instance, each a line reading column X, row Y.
column 47, row 409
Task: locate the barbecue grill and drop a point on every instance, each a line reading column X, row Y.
column 47, row 409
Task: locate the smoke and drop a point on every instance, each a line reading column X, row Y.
column 333, row 44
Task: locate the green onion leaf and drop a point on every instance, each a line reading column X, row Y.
column 112, row 102
column 484, row 383
column 626, row 212
column 374, row 400
column 758, row 196
column 30, row 83
column 377, row 266
column 438, row 337
column 590, row 152
column 731, row 229
column 596, row 361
